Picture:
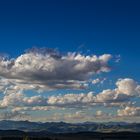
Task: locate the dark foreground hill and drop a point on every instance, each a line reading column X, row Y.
column 25, row 130
column 20, row 135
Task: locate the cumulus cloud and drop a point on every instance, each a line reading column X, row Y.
column 19, row 99
column 20, row 102
column 47, row 69
column 127, row 86
column 126, row 90
column 72, row 99
column 129, row 111
column 110, row 96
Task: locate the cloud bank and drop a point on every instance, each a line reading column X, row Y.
column 122, row 96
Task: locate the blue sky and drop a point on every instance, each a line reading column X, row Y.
column 98, row 26
column 86, row 26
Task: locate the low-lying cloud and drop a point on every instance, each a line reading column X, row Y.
column 126, row 90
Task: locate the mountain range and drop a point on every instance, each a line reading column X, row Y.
column 62, row 127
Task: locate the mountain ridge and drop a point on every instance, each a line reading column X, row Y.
column 63, row 127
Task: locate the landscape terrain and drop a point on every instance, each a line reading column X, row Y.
column 25, row 130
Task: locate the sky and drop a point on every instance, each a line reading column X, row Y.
column 70, row 60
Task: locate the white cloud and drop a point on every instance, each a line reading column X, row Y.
column 124, row 92
column 19, row 99
column 96, row 81
column 126, row 89
column 127, row 86
column 40, row 70
column 129, row 111
column 74, row 100
column 34, row 108
column 99, row 113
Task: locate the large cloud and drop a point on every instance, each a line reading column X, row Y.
column 47, row 69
